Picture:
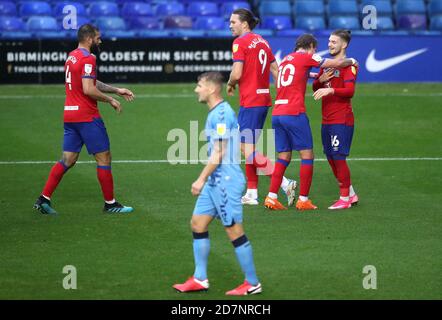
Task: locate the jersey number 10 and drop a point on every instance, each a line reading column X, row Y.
column 284, row 81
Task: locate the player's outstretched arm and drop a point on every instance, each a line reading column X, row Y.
column 339, row 63
column 214, row 161
column 122, row 92
column 91, row 91
column 235, row 75
column 274, row 70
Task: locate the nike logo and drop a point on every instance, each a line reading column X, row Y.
column 374, row 65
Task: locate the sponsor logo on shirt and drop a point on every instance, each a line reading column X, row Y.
column 221, row 129
column 88, row 69
column 235, row 47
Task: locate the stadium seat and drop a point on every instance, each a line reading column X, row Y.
column 178, row 22
column 183, row 33
column 383, row 7
column 35, row 8
column 59, row 6
column 210, row 23
column 228, row 7
column 435, row 8
column 16, row 35
column 344, row 22
column 122, row 2
column 42, row 23
column 119, row 34
column 144, row 23
column 275, row 8
column 170, row 9
column 197, row 9
column 309, row 8
column 153, row 34
column 310, row 23
column 218, row 33
column 384, row 23
column 11, row 24
column 8, row 8
column 264, row 32
column 110, row 23
column 342, row 7
column 292, row 33
column 80, row 21
column 103, row 8
column 410, row 7
column 436, row 23
column 412, row 21
column 277, row 22
column 136, row 9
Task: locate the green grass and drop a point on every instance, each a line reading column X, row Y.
column 320, row 255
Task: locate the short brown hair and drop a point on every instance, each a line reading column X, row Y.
column 247, row 15
column 305, row 41
column 212, row 76
column 86, row 31
column 343, row 34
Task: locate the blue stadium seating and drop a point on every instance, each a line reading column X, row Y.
column 264, row 32
column 59, row 6
column 277, row 22
column 103, row 8
column 188, row 33
column 110, row 23
column 384, row 23
column 8, row 8
column 210, row 23
column 11, row 24
column 154, row 34
column 309, row 8
column 310, row 23
column 344, row 22
column 435, row 8
column 436, row 23
column 219, row 33
column 383, row 7
column 35, row 8
column 178, row 22
column 292, row 33
column 342, row 7
column 42, row 23
column 135, row 9
column 197, row 9
column 275, row 8
column 412, row 22
column 144, row 23
column 410, row 7
column 170, row 9
column 228, row 7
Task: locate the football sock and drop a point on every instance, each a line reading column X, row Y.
column 244, row 254
column 278, row 173
column 333, row 167
column 272, row 195
column 303, row 198
column 252, row 193
column 57, row 172
column 343, row 173
column 344, row 198
column 252, row 177
column 104, row 175
column 201, row 249
column 285, row 183
column 352, row 191
column 306, row 176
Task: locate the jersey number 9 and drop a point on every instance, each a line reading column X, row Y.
column 262, row 56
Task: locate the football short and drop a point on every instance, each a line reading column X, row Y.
column 92, row 134
column 221, row 201
column 251, row 121
column 336, row 139
column 292, row 132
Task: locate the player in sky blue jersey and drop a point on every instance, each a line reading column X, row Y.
column 219, row 189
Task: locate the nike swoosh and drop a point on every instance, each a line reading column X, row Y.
column 374, row 65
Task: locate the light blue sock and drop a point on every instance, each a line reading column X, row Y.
column 244, row 254
column 201, row 249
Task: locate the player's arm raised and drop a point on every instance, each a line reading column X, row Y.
column 235, row 75
column 91, row 91
column 214, row 161
column 339, row 63
column 122, row 92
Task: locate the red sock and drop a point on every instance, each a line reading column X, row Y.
column 104, row 174
column 252, row 177
column 305, row 176
column 343, row 175
column 333, row 167
column 277, row 175
column 54, row 178
column 264, row 164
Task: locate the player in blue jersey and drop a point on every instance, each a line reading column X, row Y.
column 219, row 189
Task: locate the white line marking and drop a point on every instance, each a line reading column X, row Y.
column 198, row 161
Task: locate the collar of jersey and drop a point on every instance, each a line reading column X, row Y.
column 244, row 34
column 222, row 101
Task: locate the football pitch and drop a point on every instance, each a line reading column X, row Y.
column 396, row 166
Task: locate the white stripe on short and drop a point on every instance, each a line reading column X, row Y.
column 71, row 108
column 282, row 101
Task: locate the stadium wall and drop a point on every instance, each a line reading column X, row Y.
column 381, row 58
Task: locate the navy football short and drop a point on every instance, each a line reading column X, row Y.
column 292, row 132
column 336, row 139
column 92, row 134
column 251, row 121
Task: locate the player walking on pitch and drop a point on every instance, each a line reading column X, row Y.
column 219, row 188
column 82, row 121
column 289, row 119
column 336, row 87
column 253, row 61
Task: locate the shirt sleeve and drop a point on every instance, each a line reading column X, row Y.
column 238, row 51
column 88, row 68
column 315, row 60
column 316, row 84
column 350, row 74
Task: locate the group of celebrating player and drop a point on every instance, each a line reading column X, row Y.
column 221, row 183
